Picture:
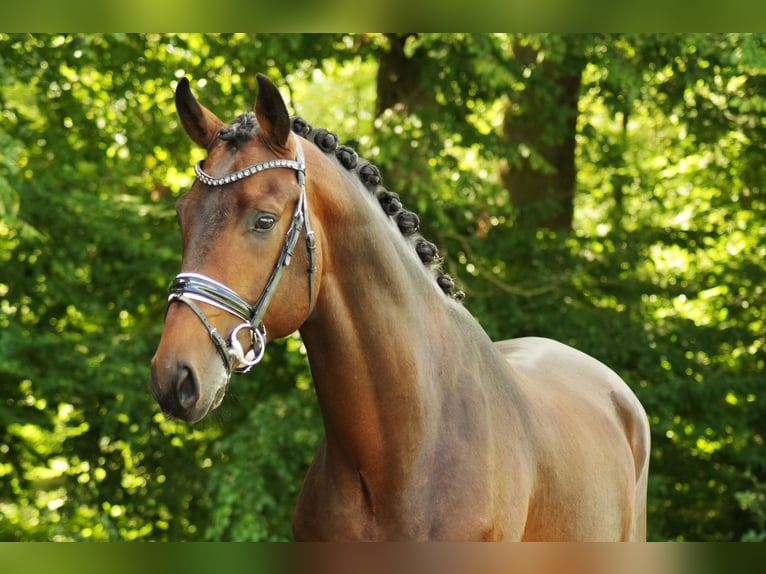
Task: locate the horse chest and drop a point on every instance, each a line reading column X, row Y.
column 446, row 499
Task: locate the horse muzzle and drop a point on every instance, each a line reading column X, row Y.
column 177, row 387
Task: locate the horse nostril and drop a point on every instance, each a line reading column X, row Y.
column 187, row 389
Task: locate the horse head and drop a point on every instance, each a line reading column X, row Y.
column 240, row 224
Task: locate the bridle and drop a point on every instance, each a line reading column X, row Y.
column 190, row 288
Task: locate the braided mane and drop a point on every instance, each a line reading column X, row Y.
column 243, row 129
column 407, row 221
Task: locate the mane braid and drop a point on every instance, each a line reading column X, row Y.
column 369, row 175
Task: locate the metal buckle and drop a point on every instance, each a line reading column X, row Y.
column 246, row 361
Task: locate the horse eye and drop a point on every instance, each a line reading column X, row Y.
column 264, row 222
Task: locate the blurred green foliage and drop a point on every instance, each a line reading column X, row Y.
column 661, row 275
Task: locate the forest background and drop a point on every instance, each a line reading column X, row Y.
column 608, row 191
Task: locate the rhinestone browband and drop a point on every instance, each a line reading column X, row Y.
column 248, row 171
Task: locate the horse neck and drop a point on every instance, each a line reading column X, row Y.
column 375, row 338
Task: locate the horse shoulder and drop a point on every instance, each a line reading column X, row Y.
column 558, row 378
column 544, row 367
column 590, row 436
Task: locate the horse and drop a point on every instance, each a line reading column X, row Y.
column 431, row 430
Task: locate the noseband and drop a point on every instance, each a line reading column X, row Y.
column 191, row 287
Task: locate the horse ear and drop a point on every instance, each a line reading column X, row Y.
column 271, row 112
column 200, row 124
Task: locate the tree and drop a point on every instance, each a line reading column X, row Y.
column 540, row 128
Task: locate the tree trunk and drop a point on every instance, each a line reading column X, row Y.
column 399, row 84
column 540, row 128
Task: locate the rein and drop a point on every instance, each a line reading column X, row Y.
column 189, row 288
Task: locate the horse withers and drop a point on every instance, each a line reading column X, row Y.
column 432, row 431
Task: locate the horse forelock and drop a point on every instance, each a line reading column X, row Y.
column 239, row 131
column 370, row 178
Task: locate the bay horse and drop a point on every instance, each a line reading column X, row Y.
column 431, row 430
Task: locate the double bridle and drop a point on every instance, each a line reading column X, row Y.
column 190, row 288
